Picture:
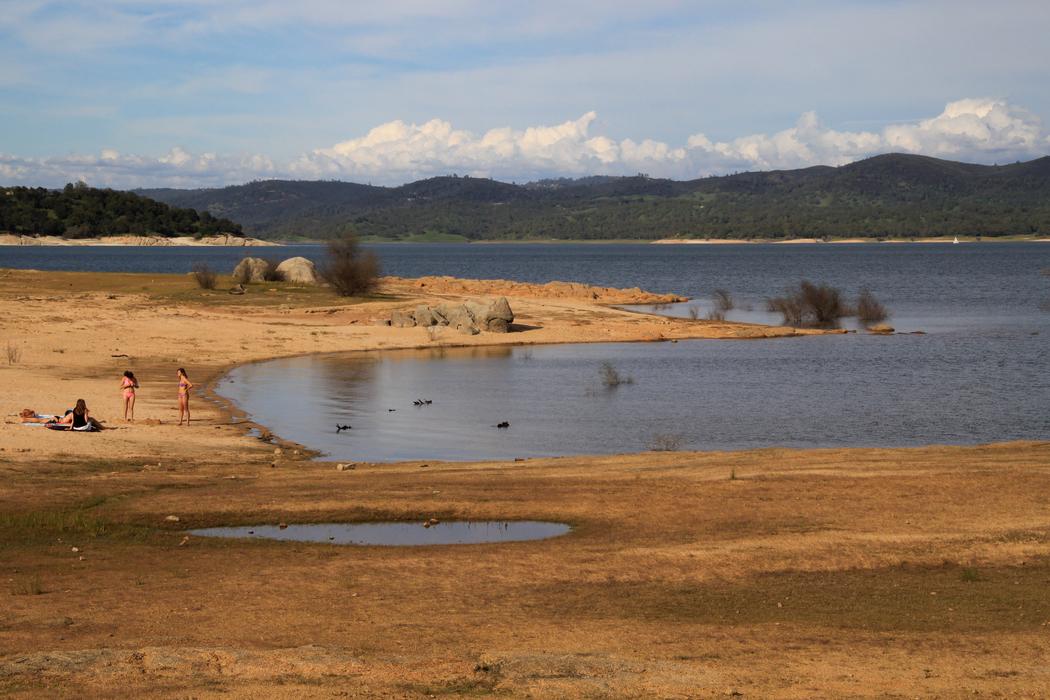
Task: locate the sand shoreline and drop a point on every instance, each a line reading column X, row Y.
column 774, row 572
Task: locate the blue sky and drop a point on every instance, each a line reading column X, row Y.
column 199, row 93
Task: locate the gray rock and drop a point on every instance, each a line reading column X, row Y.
column 402, row 319
column 424, row 316
column 298, row 271
column 251, row 270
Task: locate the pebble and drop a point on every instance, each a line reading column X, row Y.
column 76, row 549
column 172, row 518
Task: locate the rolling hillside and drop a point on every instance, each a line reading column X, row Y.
column 887, row 195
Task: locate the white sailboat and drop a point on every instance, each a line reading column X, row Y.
column 956, row 240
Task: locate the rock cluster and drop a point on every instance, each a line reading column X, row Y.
column 470, row 317
column 295, row 270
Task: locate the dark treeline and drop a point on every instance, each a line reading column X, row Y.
column 79, row 211
column 891, row 195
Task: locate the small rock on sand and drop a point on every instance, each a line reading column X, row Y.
column 172, row 519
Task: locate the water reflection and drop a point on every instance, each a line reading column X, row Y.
column 845, row 390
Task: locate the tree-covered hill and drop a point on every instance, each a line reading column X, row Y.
column 888, row 195
column 79, row 211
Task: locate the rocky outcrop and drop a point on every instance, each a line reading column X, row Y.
column 298, row 271
column 251, row 270
column 470, row 317
column 550, row 290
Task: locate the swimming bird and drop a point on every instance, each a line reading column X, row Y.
column 504, row 424
column 341, row 428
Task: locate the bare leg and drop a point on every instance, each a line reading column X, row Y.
column 132, row 401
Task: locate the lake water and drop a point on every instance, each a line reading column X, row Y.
column 397, row 534
column 979, row 374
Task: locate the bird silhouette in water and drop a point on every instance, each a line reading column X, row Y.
column 341, row 428
column 422, row 402
column 504, row 424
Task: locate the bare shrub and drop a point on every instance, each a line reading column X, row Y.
column 716, row 315
column 723, row 301
column 14, row 354
column 869, row 309
column 810, row 305
column 30, row 585
column 350, row 270
column 694, row 312
column 665, row 442
column 204, row 275
column 611, row 377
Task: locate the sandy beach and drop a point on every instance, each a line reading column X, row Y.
column 787, row 573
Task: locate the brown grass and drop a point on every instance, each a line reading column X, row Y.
column 671, row 567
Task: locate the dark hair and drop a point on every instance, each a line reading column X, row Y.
column 183, row 373
column 129, row 374
column 80, row 408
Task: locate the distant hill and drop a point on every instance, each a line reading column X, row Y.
column 887, row 195
column 79, row 211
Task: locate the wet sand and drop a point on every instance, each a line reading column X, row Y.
column 788, row 573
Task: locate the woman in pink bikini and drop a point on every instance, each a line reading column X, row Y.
column 184, row 395
column 128, row 385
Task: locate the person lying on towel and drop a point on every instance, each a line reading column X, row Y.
column 78, row 419
column 29, row 416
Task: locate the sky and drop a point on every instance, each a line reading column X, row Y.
column 203, row 93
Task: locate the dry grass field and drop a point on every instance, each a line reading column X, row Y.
column 770, row 573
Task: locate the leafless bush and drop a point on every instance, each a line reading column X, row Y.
column 666, row 442
column 869, row 309
column 723, row 301
column 612, row 378
column 716, row 315
column 350, row 270
column 694, row 312
column 810, row 305
column 204, row 275
column 30, row 585
column 14, row 354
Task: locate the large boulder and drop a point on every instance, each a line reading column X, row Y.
column 425, row 316
column 298, row 271
column 251, row 270
column 494, row 316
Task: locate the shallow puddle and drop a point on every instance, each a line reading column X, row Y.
column 397, row 534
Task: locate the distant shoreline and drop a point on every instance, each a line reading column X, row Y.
column 790, row 241
column 247, row 242
column 13, row 239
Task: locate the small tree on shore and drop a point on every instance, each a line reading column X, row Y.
column 350, row 270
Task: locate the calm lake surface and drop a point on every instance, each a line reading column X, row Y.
column 979, row 374
column 397, row 534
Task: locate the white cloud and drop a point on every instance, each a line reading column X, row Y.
column 976, row 130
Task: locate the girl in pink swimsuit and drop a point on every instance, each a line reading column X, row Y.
column 184, row 395
column 128, row 385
